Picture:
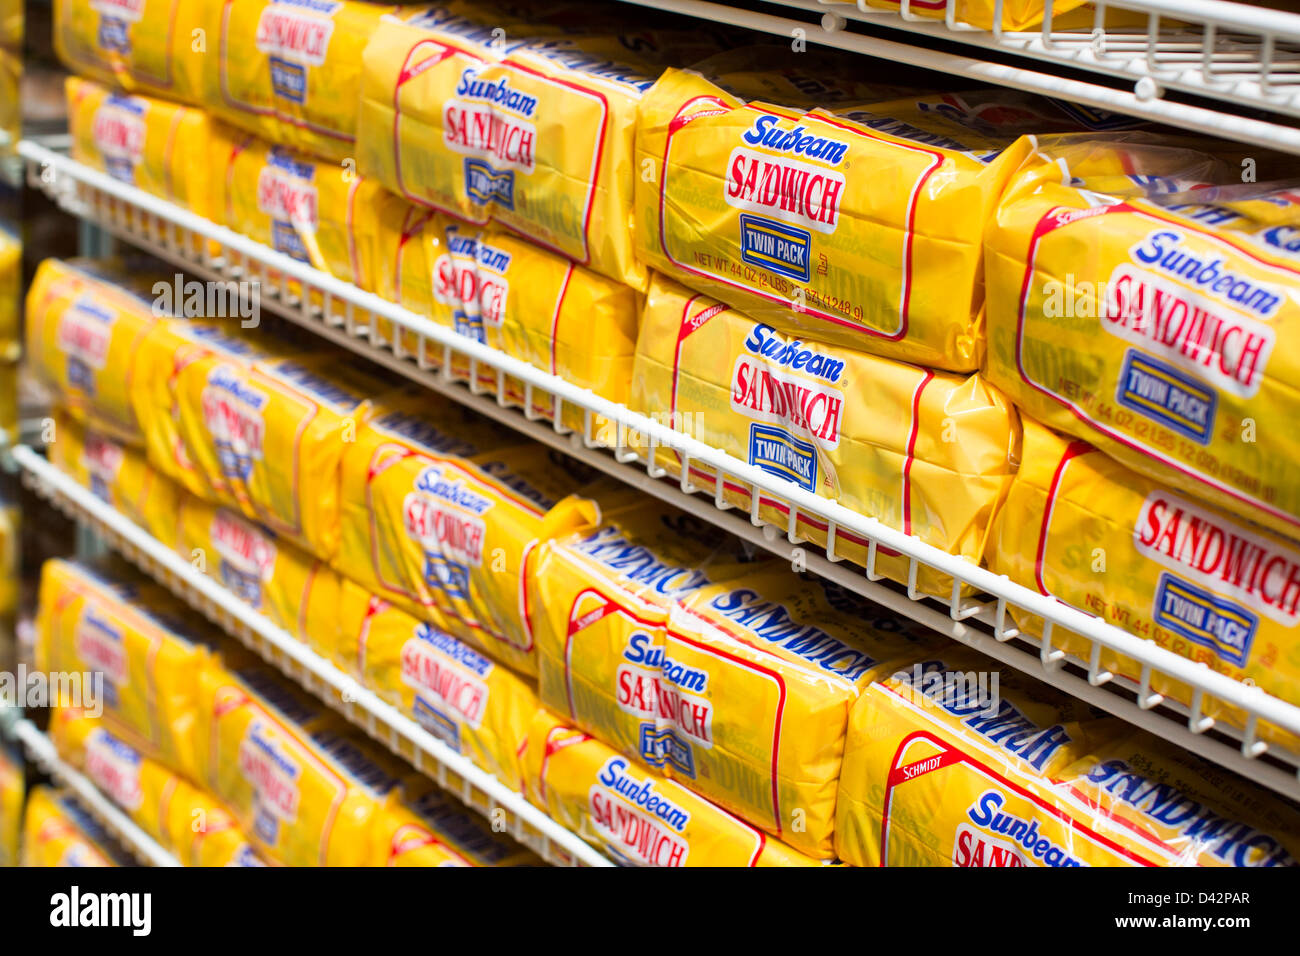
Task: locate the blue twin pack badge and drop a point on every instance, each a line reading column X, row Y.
column 432, row 719
column 485, row 185
column 1203, row 618
column 288, row 80
column 113, row 35
column 777, row 451
column 775, row 246
column 664, row 748
column 1167, row 395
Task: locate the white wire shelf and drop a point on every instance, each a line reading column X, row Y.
column 1241, row 57
column 41, row 750
column 403, row 736
column 345, row 315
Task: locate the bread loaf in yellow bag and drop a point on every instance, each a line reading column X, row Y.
column 159, row 358
column 289, row 70
column 1158, row 327
column 306, row 208
column 85, row 322
column 469, row 111
column 58, row 832
column 307, row 791
column 155, row 47
column 184, row 820
column 946, row 767
column 136, row 649
column 461, row 696
column 439, row 512
column 291, row 588
column 927, row 453
column 509, row 293
column 161, row 147
column 858, row 225
column 268, row 434
column 734, row 678
column 632, row 815
column 1081, row 528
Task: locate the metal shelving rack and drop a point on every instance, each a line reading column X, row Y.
column 40, row 749
column 477, row 789
column 346, row 315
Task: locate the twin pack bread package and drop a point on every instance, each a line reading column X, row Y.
column 928, row 453
column 473, row 112
column 460, row 695
column 734, row 679
column 858, row 224
column 509, row 293
column 154, row 47
column 1134, row 308
column 135, row 653
column 160, row 147
column 442, row 513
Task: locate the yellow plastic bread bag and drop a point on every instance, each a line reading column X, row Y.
column 1081, row 528
column 944, row 767
column 291, row 588
column 927, row 453
column 160, row 356
column 289, row 70
column 11, row 259
column 509, row 293
column 860, row 226
column 148, row 647
column 140, row 46
column 184, row 820
column 441, row 513
column 461, row 696
column 308, row 209
column 946, row 755
column 116, row 473
column 161, row 147
column 1158, row 327
column 268, row 435
column 305, row 790
column 635, row 817
column 12, row 788
column 85, row 320
column 430, row 828
column 461, row 114
column 57, row 832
